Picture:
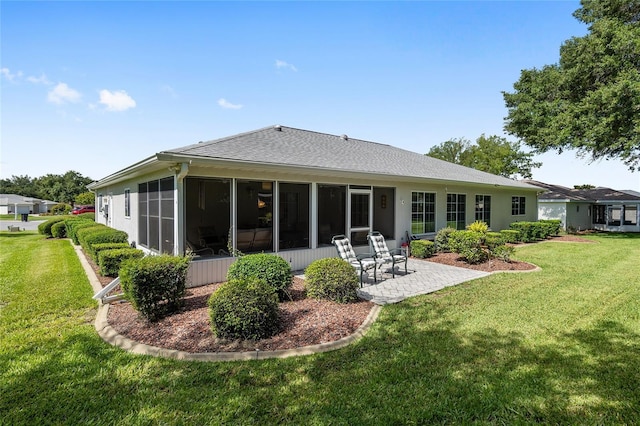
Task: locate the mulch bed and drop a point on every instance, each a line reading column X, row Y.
column 305, row 321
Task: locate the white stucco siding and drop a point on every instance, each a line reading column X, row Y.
column 578, row 216
column 553, row 210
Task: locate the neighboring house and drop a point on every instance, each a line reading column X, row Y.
column 603, row 209
column 19, row 204
column 288, row 191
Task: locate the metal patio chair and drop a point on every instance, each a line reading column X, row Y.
column 383, row 255
column 361, row 262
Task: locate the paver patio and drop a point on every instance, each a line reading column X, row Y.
column 423, row 277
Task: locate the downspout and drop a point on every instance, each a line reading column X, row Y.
column 179, row 228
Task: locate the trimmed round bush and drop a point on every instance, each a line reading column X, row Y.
column 274, row 270
column 45, row 227
column 332, row 279
column 422, row 248
column 59, row 230
column 244, row 309
column 155, row 285
column 442, row 239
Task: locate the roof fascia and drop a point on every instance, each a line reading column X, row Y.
column 147, row 165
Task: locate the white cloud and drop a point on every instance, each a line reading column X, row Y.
column 62, row 94
column 228, row 105
column 39, row 80
column 282, row 64
column 116, row 101
column 6, row 73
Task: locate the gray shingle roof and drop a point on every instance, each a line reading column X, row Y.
column 303, row 148
column 557, row 192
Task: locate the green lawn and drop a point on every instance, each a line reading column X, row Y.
column 560, row 346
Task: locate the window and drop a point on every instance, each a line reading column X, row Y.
column 127, row 201
column 293, row 200
column 156, row 211
column 332, row 212
column 630, row 215
column 517, row 206
column 456, row 206
column 100, row 202
column 614, row 214
column 423, row 212
column 483, row 208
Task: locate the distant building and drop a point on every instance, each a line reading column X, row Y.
column 604, row 209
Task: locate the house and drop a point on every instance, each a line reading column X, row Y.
column 19, row 204
column 604, row 209
column 288, row 191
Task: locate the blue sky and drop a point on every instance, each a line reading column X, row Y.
column 97, row 86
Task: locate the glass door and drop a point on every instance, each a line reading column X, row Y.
column 360, row 215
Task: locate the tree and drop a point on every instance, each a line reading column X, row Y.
column 63, row 188
column 85, row 199
column 60, row 188
column 492, row 154
column 590, row 100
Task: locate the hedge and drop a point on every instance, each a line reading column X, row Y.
column 110, row 260
column 59, row 230
column 45, row 227
column 90, row 236
column 155, row 285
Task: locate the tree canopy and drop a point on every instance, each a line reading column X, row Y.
column 590, row 99
column 60, row 188
column 492, row 154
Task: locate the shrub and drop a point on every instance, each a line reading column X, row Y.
column 493, row 239
column 502, row 252
column 468, row 245
column 76, row 228
column 110, row 260
column 61, row 209
column 332, row 279
column 244, row 309
column 59, row 230
column 422, row 248
column 274, row 270
column 45, row 227
column 99, row 247
column 154, row 285
column 89, row 236
column 526, row 229
column 442, row 239
column 88, row 216
column 478, row 226
column 510, row 235
column 552, row 226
